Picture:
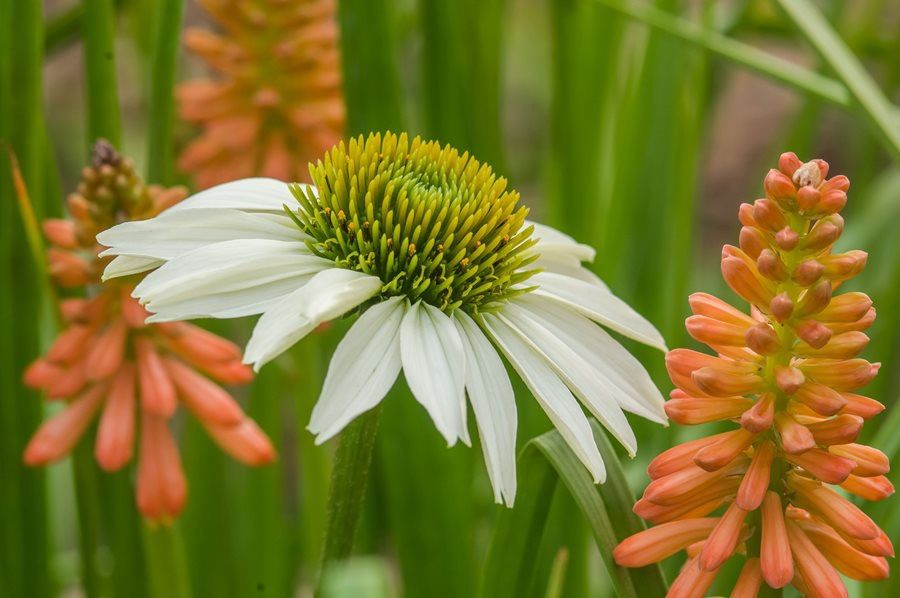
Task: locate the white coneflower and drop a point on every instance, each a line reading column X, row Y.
column 435, row 255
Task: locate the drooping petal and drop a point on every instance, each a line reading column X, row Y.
column 552, row 394
column 494, row 404
column 577, row 374
column 362, row 370
column 434, row 365
column 610, row 360
column 328, row 294
column 175, row 233
column 599, row 305
column 227, row 280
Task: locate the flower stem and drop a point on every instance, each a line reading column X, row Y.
column 349, row 476
column 166, row 563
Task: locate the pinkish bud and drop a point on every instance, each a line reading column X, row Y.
column 752, row 241
column 795, row 437
column 842, row 429
column 770, row 265
column 759, row 417
column 815, row 334
column 767, row 215
column 814, row 300
column 823, row 233
column 787, row 238
column 762, row 339
column 808, row 272
column 788, row 163
column 780, row 188
column 781, row 307
column 820, row 398
column 807, row 198
column 745, row 215
column 788, row 379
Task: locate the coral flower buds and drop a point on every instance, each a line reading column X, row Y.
column 787, row 376
column 107, row 364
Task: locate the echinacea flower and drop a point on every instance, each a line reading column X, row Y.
column 434, row 253
column 787, row 374
column 107, row 361
column 276, row 102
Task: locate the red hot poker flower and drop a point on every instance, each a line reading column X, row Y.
column 108, row 364
column 786, row 374
column 276, row 104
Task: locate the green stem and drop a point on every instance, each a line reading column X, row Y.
column 167, row 571
column 349, row 477
column 165, row 57
column 98, row 27
column 740, row 53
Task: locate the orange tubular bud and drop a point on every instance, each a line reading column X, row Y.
column 690, row 411
column 848, row 307
column 829, row 468
column 752, row 241
column 60, row 233
column 115, row 434
column 749, row 581
column 56, row 436
column 788, row 163
column 725, row 382
column 842, row 266
column 745, row 215
column 869, row 461
column 678, row 457
column 208, row 401
column 842, row 429
column 40, row 373
column 820, row 398
column 780, row 188
column 781, row 307
column 762, row 339
column 71, row 344
column 244, row 441
column 161, row 487
column 864, row 323
column 819, row 576
column 662, row 541
column 842, row 346
column 107, row 351
column 859, row 405
column 872, row 488
column 815, row 334
column 753, row 487
column 807, row 198
column 715, row 332
column 789, row 379
column 745, row 282
column 814, row 299
column 787, row 238
column 823, row 233
column 767, row 215
column 721, row 453
column 770, row 265
column 692, row 582
column 844, row 557
column 759, row 417
column 691, row 482
column 795, row 438
column 723, row 539
column 655, row 513
column 808, row 272
column 199, row 345
column 775, row 551
column 157, row 391
column 840, row 374
column 830, row 506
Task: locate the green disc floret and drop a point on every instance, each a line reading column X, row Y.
column 432, row 223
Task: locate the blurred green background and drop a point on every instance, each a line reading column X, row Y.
column 637, row 127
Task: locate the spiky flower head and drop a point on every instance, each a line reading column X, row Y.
column 276, row 101
column 786, row 373
column 431, row 223
column 108, row 360
column 433, row 253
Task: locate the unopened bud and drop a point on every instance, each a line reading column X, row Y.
column 788, row 163
column 787, row 238
column 815, row 299
column 789, row 379
column 808, row 174
column 770, row 265
column 767, row 215
column 815, row 334
column 808, row 272
column 752, row 241
column 762, row 339
column 780, row 188
column 808, row 198
column 781, row 307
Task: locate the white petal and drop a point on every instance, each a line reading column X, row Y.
column 594, row 391
column 172, row 234
column 327, row 295
column 566, row 265
column 362, row 370
column 249, row 195
column 494, row 404
column 635, row 389
column 599, row 305
column 552, row 241
column 552, row 394
column 227, row 280
column 125, row 265
column 434, row 365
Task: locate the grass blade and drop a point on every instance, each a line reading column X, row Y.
column 98, row 26
column 164, row 66
column 875, row 106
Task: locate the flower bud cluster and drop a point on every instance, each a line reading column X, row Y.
column 787, row 374
column 108, row 361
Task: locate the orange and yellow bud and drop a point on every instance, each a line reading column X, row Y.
column 107, row 363
column 276, row 103
column 787, row 374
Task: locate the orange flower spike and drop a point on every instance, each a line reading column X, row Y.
column 109, row 362
column 786, row 372
column 275, row 103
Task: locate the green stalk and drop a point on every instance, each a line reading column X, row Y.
column 879, row 111
column 24, row 533
column 349, row 478
column 98, row 27
column 167, row 574
column 162, row 83
column 742, row 54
